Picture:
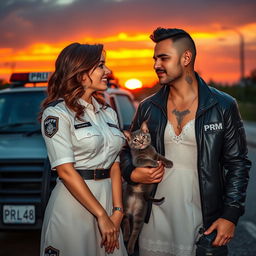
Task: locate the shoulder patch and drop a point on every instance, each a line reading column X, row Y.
column 50, row 251
column 51, row 125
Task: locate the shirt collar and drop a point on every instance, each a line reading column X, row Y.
column 95, row 106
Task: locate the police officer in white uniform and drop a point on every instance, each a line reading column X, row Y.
column 84, row 211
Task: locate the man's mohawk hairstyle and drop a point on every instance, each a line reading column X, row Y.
column 163, row 33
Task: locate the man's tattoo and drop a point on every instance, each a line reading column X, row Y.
column 180, row 116
column 189, row 79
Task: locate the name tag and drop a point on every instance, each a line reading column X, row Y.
column 214, row 127
column 78, row 126
column 113, row 125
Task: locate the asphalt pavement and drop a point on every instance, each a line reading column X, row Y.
column 250, row 131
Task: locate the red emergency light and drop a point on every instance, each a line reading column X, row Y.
column 19, row 77
column 30, row 77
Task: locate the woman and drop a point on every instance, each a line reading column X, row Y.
column 81, row 133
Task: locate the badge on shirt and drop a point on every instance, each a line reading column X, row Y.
column 51, row 125
column 50, row 251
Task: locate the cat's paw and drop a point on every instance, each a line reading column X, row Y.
column 169, row 164
column 130, row 248
column 126, row 238
column 153, row 165
column 126, row 235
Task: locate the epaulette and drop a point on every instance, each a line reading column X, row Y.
column 106, row 106
column 54, row 103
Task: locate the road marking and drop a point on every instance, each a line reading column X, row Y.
column 250, row 227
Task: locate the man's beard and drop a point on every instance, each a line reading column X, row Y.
column 170, row 80
column 167, row 81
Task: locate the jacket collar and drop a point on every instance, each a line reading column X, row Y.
column 206, row 97
column 160, row 99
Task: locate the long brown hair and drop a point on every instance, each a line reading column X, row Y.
column 65, row 82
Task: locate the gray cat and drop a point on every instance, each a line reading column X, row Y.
column 136, row 196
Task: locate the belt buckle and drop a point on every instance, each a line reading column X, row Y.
column 95, row 174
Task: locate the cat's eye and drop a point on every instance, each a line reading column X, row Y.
column 135, row 140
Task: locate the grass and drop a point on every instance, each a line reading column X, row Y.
column 248, row 111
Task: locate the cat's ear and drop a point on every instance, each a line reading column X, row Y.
column 144, row 127
column 127, row 134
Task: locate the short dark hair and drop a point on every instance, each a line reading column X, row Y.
column 174, row 34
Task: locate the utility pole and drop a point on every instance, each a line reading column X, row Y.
column 241, row 52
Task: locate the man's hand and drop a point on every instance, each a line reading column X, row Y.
column 148, row 175
column 225, row 231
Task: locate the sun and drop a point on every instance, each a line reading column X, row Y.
column 133, row 84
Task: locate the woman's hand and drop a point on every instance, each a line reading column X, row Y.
column 79, row 189
column 116, row 218
column 108, row 233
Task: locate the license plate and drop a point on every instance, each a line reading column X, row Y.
column 19, row 214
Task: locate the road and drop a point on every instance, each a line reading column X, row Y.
column 19, row 243
column 244, row 243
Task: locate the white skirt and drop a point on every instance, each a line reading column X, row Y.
column 70, row 228
column 174, row 225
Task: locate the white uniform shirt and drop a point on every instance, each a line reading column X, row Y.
column 92, row 143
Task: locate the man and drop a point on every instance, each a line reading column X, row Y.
column 199, row 128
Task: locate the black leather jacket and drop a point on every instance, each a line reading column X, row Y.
column 223, row 166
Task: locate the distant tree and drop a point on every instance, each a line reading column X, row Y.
column 3, row 84
column 253, row 76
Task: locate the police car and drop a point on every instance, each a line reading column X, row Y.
column 25, row 177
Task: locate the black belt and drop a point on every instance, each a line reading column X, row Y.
column 97, row 174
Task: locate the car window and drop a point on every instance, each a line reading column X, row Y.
column 19, row 111
column 113, row 103
column 127, row 109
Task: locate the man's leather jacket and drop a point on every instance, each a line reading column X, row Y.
column 223, row 166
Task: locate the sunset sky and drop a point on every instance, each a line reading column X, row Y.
column 33, row 32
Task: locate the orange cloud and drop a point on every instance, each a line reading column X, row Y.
column 129, row 55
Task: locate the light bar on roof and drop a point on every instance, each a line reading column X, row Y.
column 30, row 77
column 39, row 77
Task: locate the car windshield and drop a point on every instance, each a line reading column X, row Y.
column 127, row 109
column 19, row 111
